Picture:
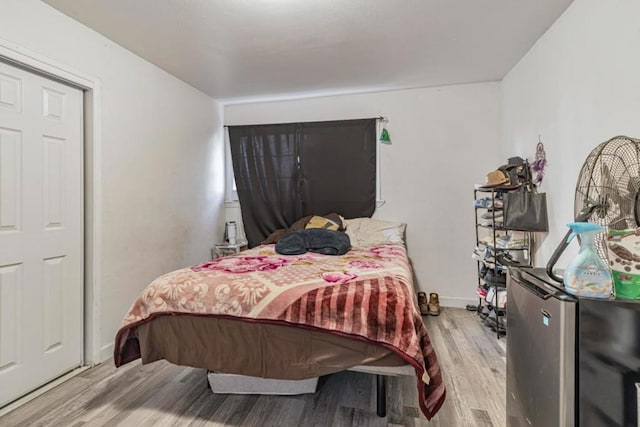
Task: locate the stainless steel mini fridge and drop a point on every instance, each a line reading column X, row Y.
column 570, row 361
column 541, row 338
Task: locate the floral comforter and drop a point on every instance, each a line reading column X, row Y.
column 366, row 294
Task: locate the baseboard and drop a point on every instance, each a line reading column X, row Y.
column 457, row 302
column 106, row 352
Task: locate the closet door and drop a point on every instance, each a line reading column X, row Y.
column 41, row 231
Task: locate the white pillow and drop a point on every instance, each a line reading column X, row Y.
column 368, row 231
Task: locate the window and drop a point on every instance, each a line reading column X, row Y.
column 231, row 190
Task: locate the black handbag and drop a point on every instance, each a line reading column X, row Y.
column 525, row 210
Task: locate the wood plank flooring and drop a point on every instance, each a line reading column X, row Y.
column 161, row 394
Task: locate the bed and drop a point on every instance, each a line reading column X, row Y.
column 266, row 315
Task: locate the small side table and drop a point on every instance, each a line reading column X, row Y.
column 224, row 249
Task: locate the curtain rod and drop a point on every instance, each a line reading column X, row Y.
column 381, row 118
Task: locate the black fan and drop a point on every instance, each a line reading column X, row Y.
column 607, row 192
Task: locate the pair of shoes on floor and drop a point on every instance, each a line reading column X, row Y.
column 429, row 307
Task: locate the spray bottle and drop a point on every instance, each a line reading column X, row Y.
column 587, row 275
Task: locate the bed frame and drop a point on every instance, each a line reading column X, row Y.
column 381, row 373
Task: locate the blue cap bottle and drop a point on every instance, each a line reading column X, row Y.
column 587, row 275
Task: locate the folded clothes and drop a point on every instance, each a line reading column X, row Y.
column 318, row 240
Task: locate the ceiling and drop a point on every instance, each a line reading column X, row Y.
column 237, row 50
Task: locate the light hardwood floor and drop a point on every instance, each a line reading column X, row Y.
column 161, row 394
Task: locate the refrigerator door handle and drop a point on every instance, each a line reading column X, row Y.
column 537, row 291
column 638, row 400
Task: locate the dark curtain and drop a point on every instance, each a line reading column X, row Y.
column 338, row 164
column 284, row 172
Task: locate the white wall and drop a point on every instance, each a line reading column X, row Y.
column 577, row 87
column 162, row 156
column 443, row 141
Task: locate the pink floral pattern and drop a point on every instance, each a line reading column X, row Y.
column 387, row 251
column 250, row 291
column 338, row 277
column 238, row 285
column 365, row 264
column 226, row 302
column 243, row 264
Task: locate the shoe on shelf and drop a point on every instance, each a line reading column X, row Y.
column 483, row 271
column 501, row 325
column 491, row 318
column 479, row 253
column 484, row 312
column 489, row 258
column 482, row 290
column 423, row 304
column 434, row 304
column 494, row 277
column 491, row 215
column 506, row 258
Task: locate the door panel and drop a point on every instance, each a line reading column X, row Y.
column 10, row 92
column 53, row 287
column 10, row 180
column 53, row 105
column 10, row 315
column 53, row 167
column 41, row 248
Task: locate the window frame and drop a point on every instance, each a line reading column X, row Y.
column 379, row 200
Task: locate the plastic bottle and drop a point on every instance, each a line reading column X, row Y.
column 587, row 275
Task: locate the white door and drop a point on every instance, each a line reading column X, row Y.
column 41, row 231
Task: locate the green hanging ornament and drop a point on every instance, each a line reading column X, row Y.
column 384, row 136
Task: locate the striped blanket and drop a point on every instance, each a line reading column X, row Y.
column 366, row 294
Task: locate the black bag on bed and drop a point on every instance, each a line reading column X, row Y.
column 318, row 240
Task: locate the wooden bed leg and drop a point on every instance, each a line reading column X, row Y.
column 381, row 398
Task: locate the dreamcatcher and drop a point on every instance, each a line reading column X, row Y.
column 539, row 164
